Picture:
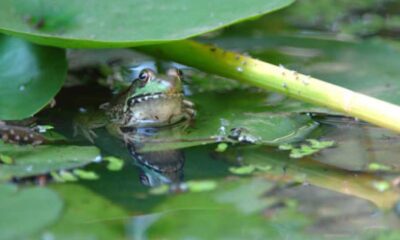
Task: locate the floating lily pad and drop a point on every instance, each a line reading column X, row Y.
column 246, row 119
column 27, row 211
column 35, row 160
column 102, row 219
column 30, row 76
column 122, row 23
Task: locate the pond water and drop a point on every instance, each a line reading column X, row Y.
column 253, row 164
column 233, row 191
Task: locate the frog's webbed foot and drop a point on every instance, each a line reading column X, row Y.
column 242, row 135
column 20, row 134
column 87, row 133
column 189, row 112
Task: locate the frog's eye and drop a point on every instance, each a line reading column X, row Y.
column 144, row 75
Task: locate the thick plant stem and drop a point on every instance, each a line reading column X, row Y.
column 267, row 76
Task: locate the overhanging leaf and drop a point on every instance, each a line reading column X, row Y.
column 123, row 23
column 30, row 76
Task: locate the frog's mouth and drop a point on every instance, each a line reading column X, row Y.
column 152, row 96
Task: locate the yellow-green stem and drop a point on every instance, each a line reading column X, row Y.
column 278, row 79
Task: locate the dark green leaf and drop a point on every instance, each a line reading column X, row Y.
column 30, row 76
column 122, row 23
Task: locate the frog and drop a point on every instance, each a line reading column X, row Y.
column 151, row 101
column 153, row 105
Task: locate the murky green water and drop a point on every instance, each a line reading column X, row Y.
column 208, row 183
column 245, row 191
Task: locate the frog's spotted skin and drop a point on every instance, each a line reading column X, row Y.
column 20, row 134
column 151, row 101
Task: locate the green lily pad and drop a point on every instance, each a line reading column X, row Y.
column 27, row 211
column 123, row 23
column 30, row 76
column 35, row 160
column 247, row 119
column 102, row 219
column 232, row 211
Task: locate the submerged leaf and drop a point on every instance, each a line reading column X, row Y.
column 313, row 173
column 249, row 169
column 67, row 176
column 27, row 211
column 114, row 163
column 6, row 159
column 381, row 185
column 87, row 175
column 200, row 186
column 306, row 150
column 242, row 170
column 36, row 160
column 378, row 167
column 221, row 147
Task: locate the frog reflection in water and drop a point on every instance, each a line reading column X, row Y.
column 152, row 104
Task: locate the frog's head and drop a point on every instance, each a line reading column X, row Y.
column 151, row 100
column 149, row 86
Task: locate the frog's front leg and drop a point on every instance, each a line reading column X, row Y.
column 20, row 134
column 86, row 122
column 186, row 112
